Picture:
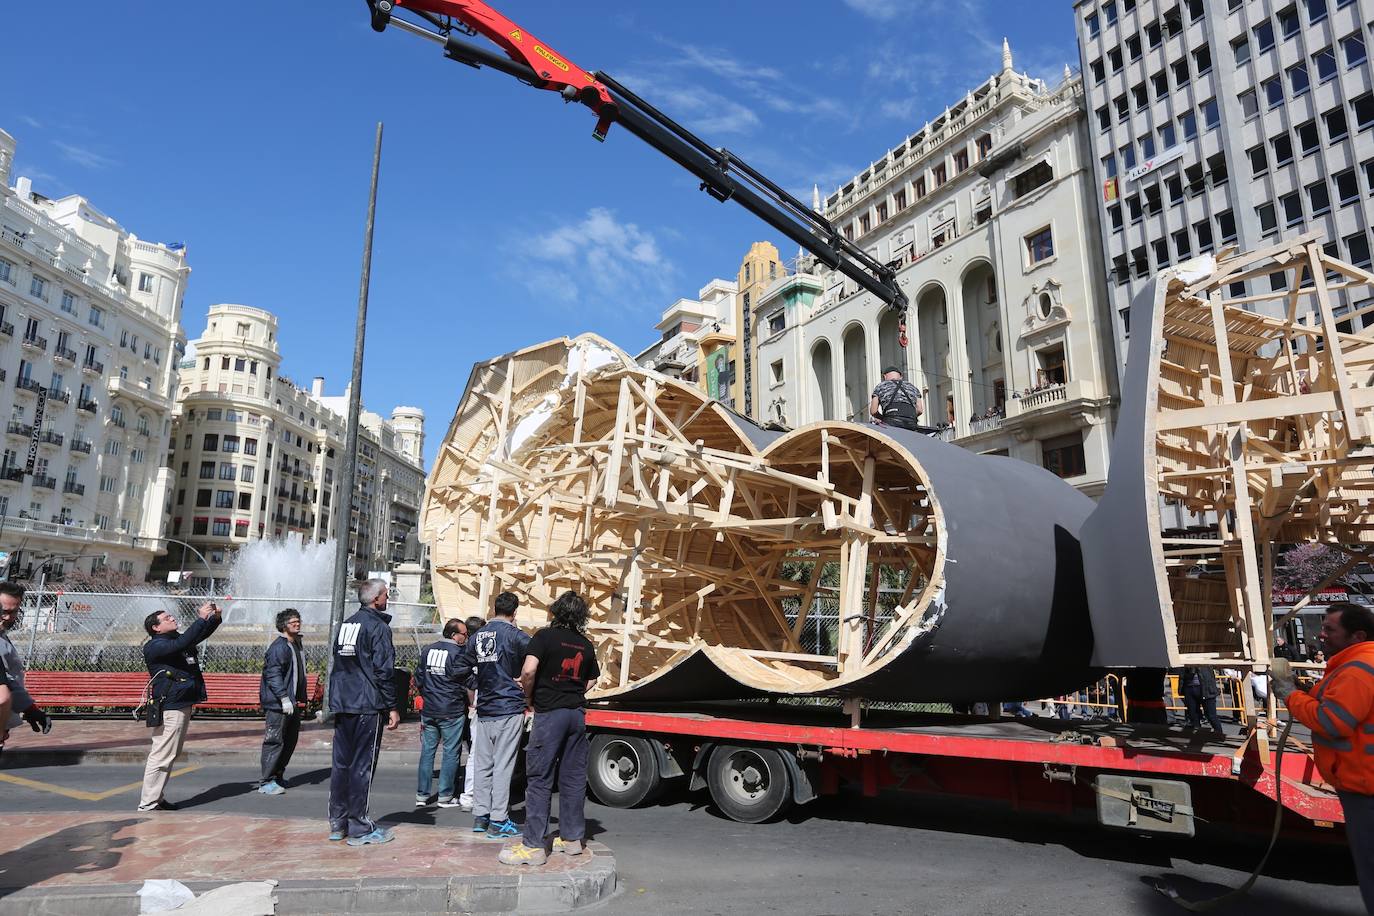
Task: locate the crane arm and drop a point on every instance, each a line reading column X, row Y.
column 723, row 175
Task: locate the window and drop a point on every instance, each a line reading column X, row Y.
column 1109, row 13
column 38, row 288
column 1259, row 160
column 777, row 322
column 940, row 174
column 1325, row 60
column 224, row 499
column 1063, row 455
column 246, row 473
column 1167, row 136
column 1104, row 122
column 1194, row 10
column 1152, row 202
column 145, row 283
column 1216, row 169
column 1140, row 261
column 1039, row 246
column 199, row 525
column 1353, row 47
column 1034, row 177
column 1161, row 248
column 1153, row 34
column 1347, row 187
column 1283, row 150
column 226, row 471
column 1358, row 247
column 1133, row 208
column 1288, row 22
column 1147, row 148
column 1174, row 185
column 1183, row 244
column 1363, row 107
column 1335, row 124
column 1202, row 60
column 1316, row 10
column 1093, row 25
column 7, row 271
column 214, row 413
column 1240, row 49
column 1226, row 225
column 250, row 446
column 1123, row 109
column 1189, row 124
column 1114, row 60
column 1161, row 84
column 1181, row 72
column 68, row 303
column 1128, row 157
column 220, row 528
column 1249, row 104
column 207, row 470
column 1292, row 208
column 1114, row 214
column 1267, row 219
column 1140, row 97
column 960, row 165
column 1298, row 84
column 1133, row 47
column 136, row 455
column 1264, row 36
column 1308, row 138
column 1109, row 166
column 1211, row 115
column 1318, row 198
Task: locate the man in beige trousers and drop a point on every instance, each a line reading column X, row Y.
column 176, row 686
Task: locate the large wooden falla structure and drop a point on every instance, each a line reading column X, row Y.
column 705, row 543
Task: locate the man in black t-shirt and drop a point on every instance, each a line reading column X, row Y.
column 560, row 663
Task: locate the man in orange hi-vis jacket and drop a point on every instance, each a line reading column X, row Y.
column 1340, row 711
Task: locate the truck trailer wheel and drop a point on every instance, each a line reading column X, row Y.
column 622, row 771
column 749, row 784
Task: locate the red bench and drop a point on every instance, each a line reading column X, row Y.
column 123, row 690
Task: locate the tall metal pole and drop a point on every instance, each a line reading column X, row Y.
column 348, row 479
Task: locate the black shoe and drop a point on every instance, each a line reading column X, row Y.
column 165, row 805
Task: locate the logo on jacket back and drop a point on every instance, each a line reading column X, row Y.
column 437, row 661
column 348, row 638
column 486, row 647
column 571, row 669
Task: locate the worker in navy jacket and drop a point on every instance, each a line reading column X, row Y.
column 362, row 696
column 175, row 686
column 283, row 697
column 442, row 684
column 497, row 652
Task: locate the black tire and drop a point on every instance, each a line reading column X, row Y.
column 622, row 771
column 749, row 784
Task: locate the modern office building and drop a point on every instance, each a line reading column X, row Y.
column 1219, row 123
column 989, row 213
column 89, row 340
column 697, row 341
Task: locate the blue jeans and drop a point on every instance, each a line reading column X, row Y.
column 432, row 731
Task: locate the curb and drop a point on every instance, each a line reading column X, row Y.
column 533, row 892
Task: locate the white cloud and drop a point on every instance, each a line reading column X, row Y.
column 597, row 258
column 698, row 108
column 889, row 10
column 31, row 121
column 80, row 155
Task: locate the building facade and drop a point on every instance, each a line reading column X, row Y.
column 989, row 213
column 89, row 340
column 1221, row 123
column 761, row 266
column 257, row 456
column 697, row 342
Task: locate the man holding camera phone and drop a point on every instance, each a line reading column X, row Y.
column 176, row 685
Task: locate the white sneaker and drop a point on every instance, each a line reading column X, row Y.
column 465, row 802
column 421, row 801
column 449, row 803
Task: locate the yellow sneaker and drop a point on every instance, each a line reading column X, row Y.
column 568, row 847
column 520, row 854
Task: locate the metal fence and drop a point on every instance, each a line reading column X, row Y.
column 103, row 631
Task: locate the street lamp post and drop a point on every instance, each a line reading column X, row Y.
column 38, row 601
column 185, row 547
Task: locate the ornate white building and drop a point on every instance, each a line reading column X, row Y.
column 89, row 340
column 990, row 213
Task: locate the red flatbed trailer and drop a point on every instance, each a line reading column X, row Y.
column 757, row 759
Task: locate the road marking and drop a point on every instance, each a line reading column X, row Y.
column 79, row 794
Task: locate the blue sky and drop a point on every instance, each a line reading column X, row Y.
column 245, row 130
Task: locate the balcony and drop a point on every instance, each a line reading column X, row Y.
column 34, row 342
column 87, row 405
column 6, row 328
column 984, row 425
column 128, row 389
column 74, row 488
column 83, row 446
column 15, row 428
column 48, row 437
column 61, row 395
column 47, row 483
column 63, row 355
column 12, row 474
column 27, row 384
column 93, row 366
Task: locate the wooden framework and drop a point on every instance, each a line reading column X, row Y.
column 568, row 467
column 1258, row 419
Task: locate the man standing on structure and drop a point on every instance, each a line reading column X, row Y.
column 498, row 654
column 175, row 686
column 283, row 697
column 1340, row 711
column 442, row 683
column 895, row 401
column 560, row 662
column 362, row 696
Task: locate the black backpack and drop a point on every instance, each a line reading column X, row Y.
column 900, row 408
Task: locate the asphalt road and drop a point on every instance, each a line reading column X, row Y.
column 893, row 854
